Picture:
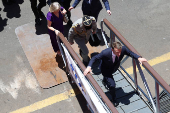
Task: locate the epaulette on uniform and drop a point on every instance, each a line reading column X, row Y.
column 93, row 19
column 77, row 28
column 77, row 25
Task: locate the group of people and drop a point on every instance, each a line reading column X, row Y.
column 80, row 32
column 89, row 7
column 40, row 15
column 81, row 29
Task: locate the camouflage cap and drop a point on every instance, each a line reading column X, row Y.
column 87, row 21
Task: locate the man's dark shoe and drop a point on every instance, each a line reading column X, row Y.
column 104, row 83
column 115, row 102
column 37, row 21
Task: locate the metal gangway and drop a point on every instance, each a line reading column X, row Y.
column 129, row 95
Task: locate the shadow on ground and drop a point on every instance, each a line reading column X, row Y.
column 123, row 100
column 12, row 9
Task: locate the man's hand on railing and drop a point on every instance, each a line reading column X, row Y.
column 87, row 70
column 141, row 60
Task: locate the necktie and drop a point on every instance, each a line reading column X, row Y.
column 113, row 57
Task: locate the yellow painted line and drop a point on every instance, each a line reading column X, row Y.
column 153, row 62
column 48, row 101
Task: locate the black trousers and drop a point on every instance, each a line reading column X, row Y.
column 111, row 85
column 91, row 13
column 36, row 9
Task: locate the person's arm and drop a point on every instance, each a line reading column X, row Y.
column 51, row 28
column 96, row 57
column 141, row 60
column 71, row 35
column 87, row 70
column 106, row 4
column 49, row 22
column 76, row 2
column 134, row 55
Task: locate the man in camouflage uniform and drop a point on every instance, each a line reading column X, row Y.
column 80, row 32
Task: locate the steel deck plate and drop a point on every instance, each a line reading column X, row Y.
column 48, row 68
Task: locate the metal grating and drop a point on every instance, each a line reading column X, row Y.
column 164, row 100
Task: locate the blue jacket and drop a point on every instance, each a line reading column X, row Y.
column 107, row 65
column 95, row 5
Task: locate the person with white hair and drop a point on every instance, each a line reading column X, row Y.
column 55, row 24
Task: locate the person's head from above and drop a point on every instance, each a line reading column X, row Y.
column 116, row 48
column 54, row 7
column 87, row 22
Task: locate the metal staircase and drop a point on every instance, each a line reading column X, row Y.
column 128, row 98
column 127, row 95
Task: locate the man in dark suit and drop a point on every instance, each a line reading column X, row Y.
column 92, row 7
column 110, row 62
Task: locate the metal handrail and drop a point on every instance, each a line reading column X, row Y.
column 89, row 76
column 158, row 79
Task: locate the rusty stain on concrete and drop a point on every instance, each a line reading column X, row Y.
column 47, row 64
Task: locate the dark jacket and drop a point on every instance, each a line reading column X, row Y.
column 95, row 5
column 107, row 65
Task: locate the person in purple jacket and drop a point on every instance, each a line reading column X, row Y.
column 55, row 24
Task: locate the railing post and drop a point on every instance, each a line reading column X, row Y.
column 135, row 74
column 61, row 50
column 157, row 97
column 146, row 85
column 105, row 41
